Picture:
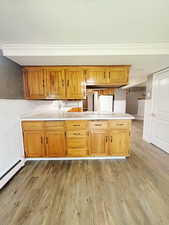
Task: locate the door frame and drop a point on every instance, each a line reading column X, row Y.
column 154, row 141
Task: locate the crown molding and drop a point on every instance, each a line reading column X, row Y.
column 86, row 49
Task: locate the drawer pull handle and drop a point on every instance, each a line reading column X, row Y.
column 62, row 83
column 41, row 140
column 98, row 125
column 106, row 139
column 76, row 125
column 46, row 140
column 120, row 124
column 76, row 133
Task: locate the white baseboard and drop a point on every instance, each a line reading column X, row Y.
column 11, row 173
column 76, row 158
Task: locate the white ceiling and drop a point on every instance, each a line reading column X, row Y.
column 84, row 21
column 75, row 22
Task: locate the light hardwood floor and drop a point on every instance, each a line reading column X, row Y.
column 97, row 192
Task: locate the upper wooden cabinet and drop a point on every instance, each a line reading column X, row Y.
column 55, row 83
column 75, row 83
column 96, row 75
column 118, row 75
column 65, row 82
column 108, row 75
column 34, row 83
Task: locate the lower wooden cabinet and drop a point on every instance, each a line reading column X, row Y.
column 55, row 143
column 76, row 138
column 98, row 142
column 34, row 143
column 119, row 142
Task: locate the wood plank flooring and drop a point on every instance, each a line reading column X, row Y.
column 134, row 191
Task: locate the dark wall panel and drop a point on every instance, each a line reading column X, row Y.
column 11, row 86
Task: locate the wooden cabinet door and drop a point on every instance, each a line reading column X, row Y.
column 117, row 75
column 98, row 142
column 55, row 83
column 75, row 84
column 119, row 142
column 55, row 143
column 34, row 143
column 96, row 76
column 34, row 83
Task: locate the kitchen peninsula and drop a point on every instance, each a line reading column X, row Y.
column 77, row 134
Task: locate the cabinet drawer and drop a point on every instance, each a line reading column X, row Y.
column 53, row 125
column 76, row 124
column 119, row 124
column 77, row 152
column 77, row 134
column 32, row 125
column 77, row 142
column 98, row 124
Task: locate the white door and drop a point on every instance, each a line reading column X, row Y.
column 160, row 115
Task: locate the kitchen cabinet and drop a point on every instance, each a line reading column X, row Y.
column 98, row 143
column 64, row 82
column 55, row 143
column 117, row 76
column 77, row 138
column 44, row 139
column 119, row 137
column 96, row 75
column 119, row 142
column 34, row 143
column 75, row 84
column 34, row 83
column 55, row 83
column 107, row 76
column 77, row 143
column 98, row 138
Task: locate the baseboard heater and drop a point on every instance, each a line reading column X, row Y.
column 11, row 172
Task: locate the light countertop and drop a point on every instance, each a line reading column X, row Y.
column 75, row 116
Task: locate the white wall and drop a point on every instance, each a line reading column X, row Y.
column 11, row 148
